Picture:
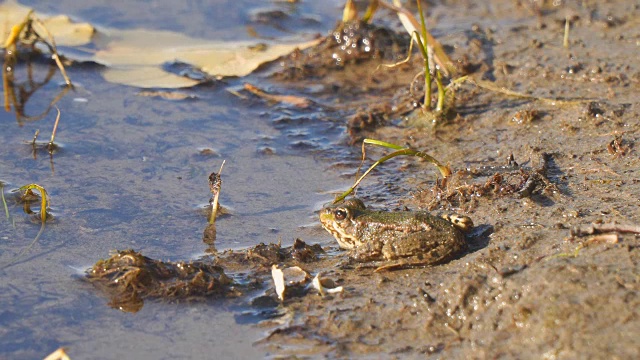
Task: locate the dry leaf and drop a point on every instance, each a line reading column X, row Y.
column 65, row 31
column 136, row 57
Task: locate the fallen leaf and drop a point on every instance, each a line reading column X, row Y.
column 64, row 30
column 136, row 57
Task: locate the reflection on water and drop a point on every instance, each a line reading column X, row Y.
column 17, row 92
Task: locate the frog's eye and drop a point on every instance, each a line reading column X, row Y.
column 340, row 214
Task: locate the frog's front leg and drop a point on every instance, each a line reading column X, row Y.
column 369, row 251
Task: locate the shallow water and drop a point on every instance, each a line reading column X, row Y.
column 130, row 174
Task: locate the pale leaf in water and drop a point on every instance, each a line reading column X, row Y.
column 146, row 77
column 136, row 57
column 64, row 30
column 131, row 51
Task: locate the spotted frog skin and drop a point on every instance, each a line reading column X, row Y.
column 409, row 237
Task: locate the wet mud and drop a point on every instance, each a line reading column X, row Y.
column 527, row 171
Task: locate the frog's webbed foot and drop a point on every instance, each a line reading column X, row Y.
column 347, row 263
column 400, row 265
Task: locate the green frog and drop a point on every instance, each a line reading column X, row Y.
column 409, row 238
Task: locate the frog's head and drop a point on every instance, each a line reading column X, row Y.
column 340, row 221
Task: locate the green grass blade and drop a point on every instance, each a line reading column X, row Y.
column 4, row 201
column 444, row 170
column 382, row 143
column 44, row 205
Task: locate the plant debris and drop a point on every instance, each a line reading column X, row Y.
column 297, row 101
column 511, row 179
column 595, row 229
column 59, row 354
column 129, row 277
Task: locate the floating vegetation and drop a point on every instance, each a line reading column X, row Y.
column 29, row 33
column 129, row 277
column 139, row 57
column 445, row 170
column 26, row 198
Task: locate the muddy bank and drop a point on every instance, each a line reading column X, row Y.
column 526, row 287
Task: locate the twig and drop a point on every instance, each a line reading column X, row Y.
column 297, row 101
column 604, row 228
column 567, row 25
column 215, row 184
column 35, row 138
column 492, row 87
column 53, row 133
column 54, row 53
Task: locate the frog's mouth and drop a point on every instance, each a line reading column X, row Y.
column 344, row 240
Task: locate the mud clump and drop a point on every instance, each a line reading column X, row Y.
column 511, row 179
column 129, row 277
column 365, row 121
column 266, row 255
column 351, row 43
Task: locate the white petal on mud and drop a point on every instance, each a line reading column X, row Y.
column 64, row 30
column 325, row 285
column 291, row 276
column 278, row 280
column 295, row 276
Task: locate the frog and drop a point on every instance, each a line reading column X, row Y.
column 399, row 238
